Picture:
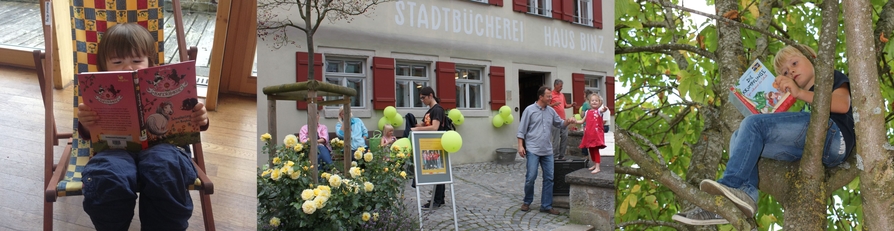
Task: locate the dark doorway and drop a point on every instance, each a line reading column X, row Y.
column 528, row 83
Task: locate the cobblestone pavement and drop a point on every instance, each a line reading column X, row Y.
column 488, row 197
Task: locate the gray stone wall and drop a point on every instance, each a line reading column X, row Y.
column 592, row 198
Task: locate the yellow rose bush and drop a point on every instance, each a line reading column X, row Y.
column 288, row 198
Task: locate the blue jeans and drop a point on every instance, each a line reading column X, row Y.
column 778, row 136
column 323, row 156
column 161, row 174
column 546, row 164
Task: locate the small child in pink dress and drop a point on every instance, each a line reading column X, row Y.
column 594, row 136
column 387, row 136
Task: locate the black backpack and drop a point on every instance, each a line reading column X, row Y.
column 448, row 124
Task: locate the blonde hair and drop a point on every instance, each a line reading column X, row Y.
column 790, row 51
column 597, row 96
column 387, row 127
column 125, row 41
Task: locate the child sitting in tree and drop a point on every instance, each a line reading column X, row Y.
column 161, row 173
column 594, row 136
column 778, row 136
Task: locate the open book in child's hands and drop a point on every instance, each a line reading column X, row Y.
column 142, row 108
column 755, row 93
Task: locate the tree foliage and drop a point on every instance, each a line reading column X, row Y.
column 674, row 121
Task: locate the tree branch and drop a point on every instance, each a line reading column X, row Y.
column 629, row 171
column 646, row 24
column 726, row 20
column 675, row 225
column 658, row 48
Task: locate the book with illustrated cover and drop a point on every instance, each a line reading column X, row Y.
column 755, row 92
column 142, row 108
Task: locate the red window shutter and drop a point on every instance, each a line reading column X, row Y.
column 610, row 93
column 497, row 87
column 496, row 2
column 383, row 82
column 578, row 82
column 301, row 67
column 446, row 90
column 597, row 14
column 568, row 10
column 557, row 9
column 520, row 5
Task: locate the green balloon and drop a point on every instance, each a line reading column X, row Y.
column 396, row 120
column 460, row 120
column 498, row 121
column 509, row 120
column 577, row 116
column 454, row 114
column 505, row 111
column 403, row 143
column 382, row 123
column 390, row 111
column 451, row 141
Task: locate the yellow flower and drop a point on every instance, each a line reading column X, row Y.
column 386, row 169
column 275, row 220
column 275, row 175
column 299, row 147
column 311, row 185
column 284, row 169
column 316, row 192
column 290, row 141
column 368, row 157
column 334, row 140
column 355, row 172
column 325, row 175
column 323, row 193
column 324, row 188
column 266, row 137
column 375, row 216
column 305, row 168
column 319, row 202
column 358, row 155
column 365, row 216
column 361, row 149
column 290, row 163
column 335, row 181
column 289, row 169
column 353, row 163
column 307, row 194
column 368, row 186
column 309, row 207
column 403, row 174
column 395, row 148
column 294, row 175
column 277, row 160
column 400, row 155
column 266, row 172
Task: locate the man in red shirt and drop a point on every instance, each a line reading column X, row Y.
column 559, row 135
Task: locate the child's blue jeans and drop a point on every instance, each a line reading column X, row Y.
column 161, row 174
column 778, row 136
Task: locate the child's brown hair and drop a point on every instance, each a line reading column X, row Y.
column 789, row 51
column 125, row 41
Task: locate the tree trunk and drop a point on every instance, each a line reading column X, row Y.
column 877, row 177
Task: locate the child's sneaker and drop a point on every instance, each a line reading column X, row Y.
column 739, row 197
column 699, row 216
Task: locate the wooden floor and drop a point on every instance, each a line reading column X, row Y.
column 22, row 22
column 229, row 144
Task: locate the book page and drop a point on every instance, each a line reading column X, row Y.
column 112, row 96
column 168, row 95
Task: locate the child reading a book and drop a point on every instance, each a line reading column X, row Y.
column 387, row 136
column 594, row 136
column 778, row 136
column 160, row 173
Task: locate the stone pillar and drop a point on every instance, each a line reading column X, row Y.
column 592, row 198
column 572, row 151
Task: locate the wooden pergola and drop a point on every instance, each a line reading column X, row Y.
column 308, row 91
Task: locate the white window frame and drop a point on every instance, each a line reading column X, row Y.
column 534, row 6
column 343, row 77
column 481, row 1
column 584, row 13
column 463, row 102
column 599, row 81
column 411, row 96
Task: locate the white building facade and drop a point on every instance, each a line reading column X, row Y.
column 478, row 55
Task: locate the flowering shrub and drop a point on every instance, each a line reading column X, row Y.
column 367, row 195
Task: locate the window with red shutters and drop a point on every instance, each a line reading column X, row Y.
column 568, row 10
column 557, row 9
column 383, row 82
column 301, row 68
column 496, row 2
column 497, row 87
column 446, row 91
column 520, row 6
column 597, row 14
column 578, row 85
column 610, row 93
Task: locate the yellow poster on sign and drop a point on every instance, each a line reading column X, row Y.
column 433, row 156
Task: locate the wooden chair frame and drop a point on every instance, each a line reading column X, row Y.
column 55, row 171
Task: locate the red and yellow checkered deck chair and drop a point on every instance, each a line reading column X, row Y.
column 89, row 20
